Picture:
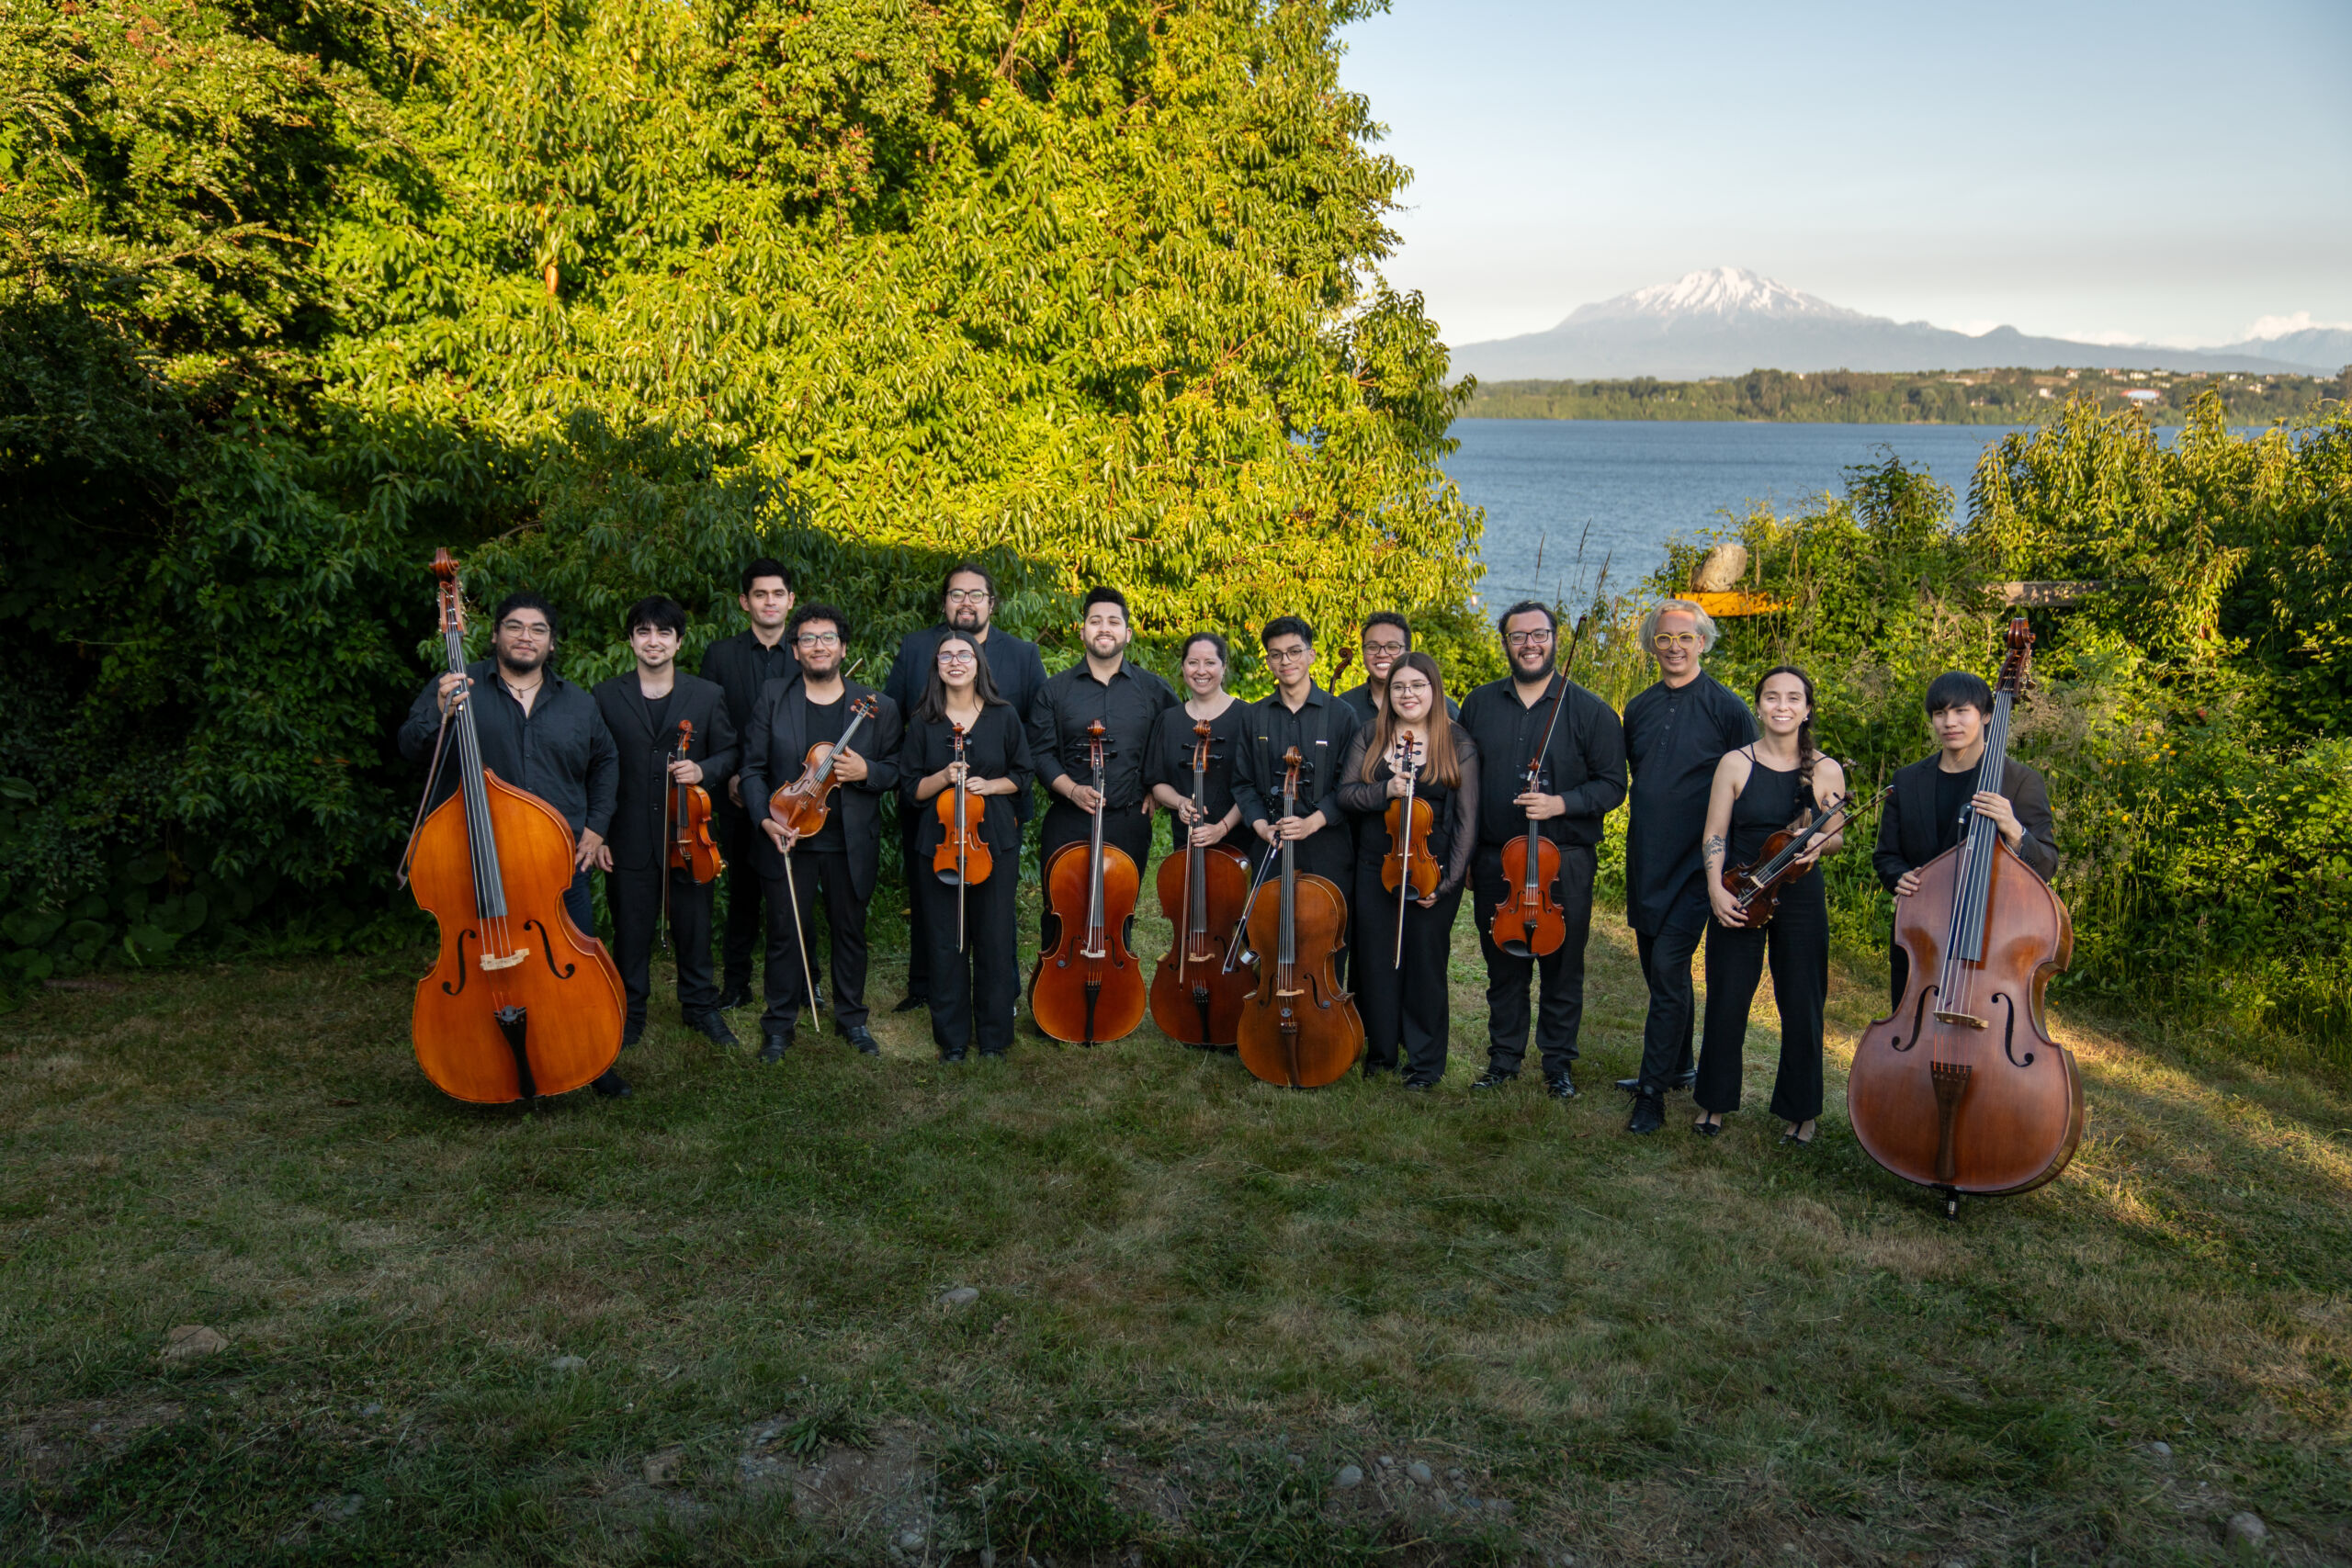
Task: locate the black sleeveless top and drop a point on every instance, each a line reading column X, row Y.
column 1772, row 800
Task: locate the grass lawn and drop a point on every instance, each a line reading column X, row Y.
column 1198, row 1298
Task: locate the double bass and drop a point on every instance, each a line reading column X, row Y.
column 1299, row 1028
column 1090, row 991
column 520, row 1002
column 1961, row 1089
column 962, row 859
column 1195, row 999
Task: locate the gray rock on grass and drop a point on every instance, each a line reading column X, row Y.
column 1420, row 1472
column 2246, row 1529
column 962, row 1295
column 1349, row 1476
column 192, row 1341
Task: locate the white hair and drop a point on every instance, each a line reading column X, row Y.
column 1707, row 633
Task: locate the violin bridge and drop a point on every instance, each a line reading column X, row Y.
column 1969, row 1019
column 508, row 961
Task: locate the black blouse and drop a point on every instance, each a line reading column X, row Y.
column 1454, row 829
column 1170, row 761
column 995, row 747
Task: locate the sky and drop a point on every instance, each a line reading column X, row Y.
column 2152, row 172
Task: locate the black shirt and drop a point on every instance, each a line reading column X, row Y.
column 1129, row 705
column 996, row 748
column 1014, row 665
column 1674, row 736
column 559, row 751
column 657, row 717
column 1321, row 729
column 1173, row 742
column 1454, row 828
column 824, row 727
column 1952, row 792
column 742, row 666
column 1585, row 764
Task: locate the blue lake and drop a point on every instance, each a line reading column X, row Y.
column 1623, row 488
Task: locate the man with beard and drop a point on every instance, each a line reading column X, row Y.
column 1675, row 733
column 1128, row 699
column 967, row 604
column 842, row 858
column 1582, row 779
column 743, row 665
column 538, row 732
column 643, row 709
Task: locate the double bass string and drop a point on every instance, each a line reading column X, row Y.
column 1965, row 943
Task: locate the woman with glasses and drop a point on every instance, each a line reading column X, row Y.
column 973, row 988
column 1169, row 766
column 1404, row 1001
column 1759, row 789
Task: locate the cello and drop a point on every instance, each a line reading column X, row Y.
column 1299, row 1029
column 1961, row 1089
column 962, row 857
column 520, row 1002
column 1410, row 870
column 1195, row 999
column 1089, row 990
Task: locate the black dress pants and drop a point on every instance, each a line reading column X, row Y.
column 1665, row 963
column 910, row 820
column 814, row 872
column 739, row 840
column 974, row 991
column 1405, row 1009
column 1129, row 830
column 1797, row 943
column 635, row 897
column 1560, row 1013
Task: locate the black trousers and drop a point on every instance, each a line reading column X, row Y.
column 635, row 897
column 1405, row 1009
column 1065, row 824
column 814, row 872
column 1798, row 944
column 581, row 904
column 973, row 992
column 1665, row 963
column 1560, row 1013
column 918, row 913
column 739, row 840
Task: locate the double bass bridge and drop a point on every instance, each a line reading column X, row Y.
column 507, row 961
column 1968, row 1019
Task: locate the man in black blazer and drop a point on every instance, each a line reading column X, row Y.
column 743, row 665
column 841, row 860
column 643, row 710
column 1933, row 800
column 967, row 604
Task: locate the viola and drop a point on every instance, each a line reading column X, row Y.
column 962, row 859
column 1089, row 990
column 520, row 1002
column 692, row 848
column 1961, row 1089
column 1299, row 1028
column 1195, row 998
column 1410, row 870
column 1759, row 884
column 802, row 806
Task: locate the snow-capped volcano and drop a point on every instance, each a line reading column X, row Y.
column 1723, row 293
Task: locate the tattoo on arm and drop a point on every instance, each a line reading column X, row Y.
column 1713, row 848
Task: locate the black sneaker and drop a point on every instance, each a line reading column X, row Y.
column 863, row 1038
column 772, row 1047
column 1650, row 1113
column 631, row 1033
column 714, row 1026
column 1492, row 1078
column 735, row 996
column 612, row 1085
column 1680, row 1080
column 1560, row 1086
column 910, row 1001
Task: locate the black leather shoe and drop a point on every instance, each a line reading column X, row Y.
column 1376, row 1070
column 1560, row 1086
column 991, row 1055
column 1674, row 1081
column 954, row 1055
column 861, row 1037
column 734, row 996
column 1491, row 1079
column 1650, row 1113
column 773, row 1046
column 1414, row 1085
column 714, row 1026
column 631, row 1033
column 909, row 1003
column 612, row 1085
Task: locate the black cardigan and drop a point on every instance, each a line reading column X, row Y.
column 1907, row 830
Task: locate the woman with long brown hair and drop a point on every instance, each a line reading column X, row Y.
column 1404, row 1003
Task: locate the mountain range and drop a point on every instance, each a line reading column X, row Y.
column 1726, row 320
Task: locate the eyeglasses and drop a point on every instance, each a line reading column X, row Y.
column 1391, row 649
column 1411, row 689
column 1288, row 655
column 525, row 628
column 955, row 659
column 818, row 639
column 1675, row 639
column 968, row 596
column 1527, row 639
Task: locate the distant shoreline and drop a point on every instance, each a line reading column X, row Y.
column 1997, row 397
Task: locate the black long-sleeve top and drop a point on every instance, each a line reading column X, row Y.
column 1014, row 665
column 1171, row 762
column 1916, row 826
column 995, row 748
column 1130, row 704
column 1321, row 729
column 560, row 751
column 743, row 666
column 1453, row 811
column 640, row 807
column 1674, row 736
column 1584, row 765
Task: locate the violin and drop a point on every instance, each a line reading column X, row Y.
column 1758, row 884
column 1961, row 1089
column 1195, row 998
column 1299, row 1029
column 1089, row 990
column 962, row 857
column 1410, row 870
column 520, row 1002
column 802, row 806
column 691, row 846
